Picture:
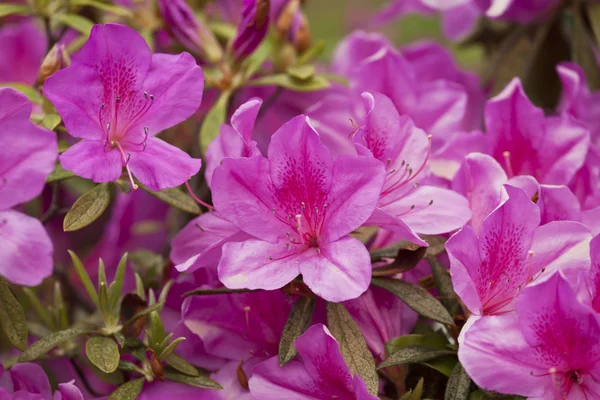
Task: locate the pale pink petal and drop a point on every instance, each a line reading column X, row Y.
column 256, row 264
column 89, row 159
column 244, row 117
column 270, row 381
column 392, row 223
column 24, row 46
column 162, row 165
column 337, row 271
column 25, row 249
column 558, row 203
column 68, row 391
column 355, row 48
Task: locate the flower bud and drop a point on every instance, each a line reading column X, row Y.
column 184, row 26
column 252, row 28
column 291, row 24
column 57, row 58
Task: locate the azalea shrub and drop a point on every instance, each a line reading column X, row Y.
column 225, row 200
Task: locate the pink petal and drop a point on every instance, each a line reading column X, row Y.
column 256, row 264
column 89, row 159
column 392, row 223
column 14, row 106
column 353, row 196
column 31, row 378
column 242, row 194
column 162, row 165
column 431, row 210
column 558, row 203
column 270, row 381
column 68, row 391
column 338, row 271
column 480, row 179
column 458, row 22
column 465, row 263
column 244, row 117
column 355, row 48
column 24, row 46
column 25, row 249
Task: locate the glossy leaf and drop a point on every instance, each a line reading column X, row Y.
column 87, row 208
column 352, row 345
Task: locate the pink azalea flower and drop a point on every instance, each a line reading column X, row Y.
column 319, row 372
column 299, row 205
column 116, row 96
column 525, row 142
column 29, row 381
column 24, row 46
column 28, row 156
column 511, row 250
column 548, row 349
column 405, row 206
column 252, row 28
column 199, row 244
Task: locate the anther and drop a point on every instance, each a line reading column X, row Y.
column 509, row 169
column 412, row 207
column 416, row 184
column 389, row 161
column 145, row 94
column 303, row 205
column 392, row 170
column 151, row 97
column 271, row 258
column 118, row 99
column 273, row 209
column 431, row 202
column 102, row 106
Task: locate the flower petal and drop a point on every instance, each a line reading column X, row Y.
column 30, row 378
column 256, row 264
column 162, row 165
column 25, row 249
column 339, row 271
column 89, row 159
column 392, row 223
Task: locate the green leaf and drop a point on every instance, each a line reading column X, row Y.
column 416, row 393
column 113, row 9
column 258, row 58
column 416, row 298
column 197, row 381
column 39, row 309
column 47, row 343
column 175, row 198
column 51, row 121
column 313, row 52
column 167, row 351
column 301, row 72
column 443, row 365
column 413, row 354
column 352, row 345
column 12, row 317
column 87, row 208
column 32, row 94
column 429, row 340
column 59, row 174
column 286, row 81
column 296, row 324
column 157, row 329
column 459, row 384
column 593, row 12
column 128, row 391
column 392, row 250
column 212, row 121
column 405, row 260
column 77, row 22
column 114, row 291
column 14, row 9
column 85, row 278
column 180, row 364
column 103, row 352
column 582, row 50
column 443, row 283
column 207, row 292
column 144, row 312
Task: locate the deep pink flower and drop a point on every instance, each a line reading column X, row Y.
column 525, row 142
column 300, row 205
column 24, row 46
column 252, row 28
column 511, row 250
column 27, row 157
column 28, row 381
column 548, row 349
column 406, row 206
column 318, row 372
column 116, row 96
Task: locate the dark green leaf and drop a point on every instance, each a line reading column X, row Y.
column 87, row 208
column 433, row 340
column 14, row 9
column 144, row 312
column 197, row 381
column 416, row 298
column 176, row 198
column 180, row 364
column 406, row 259
column 128, row 391
column 593, row 12
column 413, row 354
column 47, row 343
column 84, row 277
column 582, row 50
column 59, row 174
column 114, row 291
column 459, row 384
column 352, row 345
column 206, row 292
column 286, row 81
column 212, row 121
column 392, row 250
column 77, row 22
column 170, row 348
column 12, row 317
column 113, row 9
column 296, row 324
column 258, row 58
column 103, row 352
column 416, row 393
column 444, row 364
column 443, row 283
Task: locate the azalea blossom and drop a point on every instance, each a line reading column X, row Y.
column 29, row 381
column 28, row 156
column 116, row 96
column 299, row 205
column 319, row 373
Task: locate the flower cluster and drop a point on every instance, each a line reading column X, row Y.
column 195, row 203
